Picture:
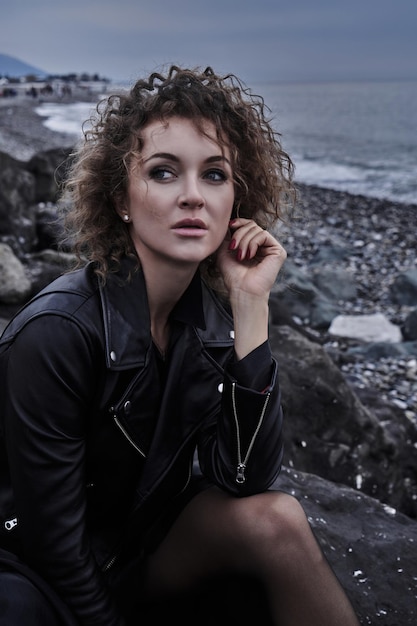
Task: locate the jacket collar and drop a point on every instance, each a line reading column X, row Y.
column 127, row 323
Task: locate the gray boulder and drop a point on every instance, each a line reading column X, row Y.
column 17, row 195
column 404, row 288
column 15, row 286
column 297, row 291
column 371, row 547
column 49, row 169
column 329, row 432
column 409, row 328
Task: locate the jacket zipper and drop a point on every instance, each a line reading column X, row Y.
column 111, row 561
column 126, row 434
column 241, row 465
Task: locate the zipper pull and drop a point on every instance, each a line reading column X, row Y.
column 10, row 523
column 240, row 476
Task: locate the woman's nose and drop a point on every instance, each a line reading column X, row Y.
column 191, row 196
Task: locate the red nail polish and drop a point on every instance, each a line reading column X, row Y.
column 239, row 255
column 248, row 254
column 232, row 244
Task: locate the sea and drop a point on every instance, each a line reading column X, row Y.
column 359, row 137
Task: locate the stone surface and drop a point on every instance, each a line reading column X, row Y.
column 330, row 432
column 372, row 548
column 15, row 286
column 369, row 328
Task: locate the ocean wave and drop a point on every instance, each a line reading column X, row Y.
column 66, row 118
column 335, row 142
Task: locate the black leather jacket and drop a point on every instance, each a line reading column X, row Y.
column 99, row 438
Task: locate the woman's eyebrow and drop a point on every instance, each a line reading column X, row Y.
column 162, row 155
column 215, row 159
column 171, row 157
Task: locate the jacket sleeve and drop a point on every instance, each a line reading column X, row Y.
column 50, row 376
column 242, row 451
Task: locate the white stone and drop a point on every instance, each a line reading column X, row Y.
column 369, row 328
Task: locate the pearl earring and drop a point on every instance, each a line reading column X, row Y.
column 126, row 217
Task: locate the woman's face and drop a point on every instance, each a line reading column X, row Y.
column 180, row 194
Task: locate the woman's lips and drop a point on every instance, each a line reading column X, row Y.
column 190, row 228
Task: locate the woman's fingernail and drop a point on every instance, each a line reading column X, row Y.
column 239, row 255
column 232, row 244
column 248, row 254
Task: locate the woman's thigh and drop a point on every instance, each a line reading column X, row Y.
column 22, row 604
column 218, row 533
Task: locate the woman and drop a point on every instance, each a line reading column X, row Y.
column 151, row 354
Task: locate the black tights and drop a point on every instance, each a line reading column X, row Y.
column 222, row 558
column 265, row 536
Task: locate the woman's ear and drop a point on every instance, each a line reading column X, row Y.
column 123, row 214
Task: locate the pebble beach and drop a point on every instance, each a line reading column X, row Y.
column 23, row 132
column 382, row 238
column 380, row 233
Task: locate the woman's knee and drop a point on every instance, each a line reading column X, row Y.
column 286, row 515
column 272, row 512
column 273, row 522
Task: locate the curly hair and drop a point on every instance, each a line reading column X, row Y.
column 98, row 176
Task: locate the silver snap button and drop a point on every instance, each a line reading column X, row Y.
column 220, row 388
column 232, row 334
column 113, row 355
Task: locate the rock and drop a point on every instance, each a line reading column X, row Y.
column 43, row 267
column 383, row 350
column 409, row 328
column 404, row 288
column 27, row 228
column 322, row 312
column 17, row 194
column 371, row 547
column 335, row 283
column 329, row 432
column 330, row 253
column 368, row 328
column 14, row 284
column 295, row 288
column 49, row 227
column 49, row 168
column 280, row 315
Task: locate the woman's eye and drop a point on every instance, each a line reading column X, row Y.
column 216, row 176
column 161, row 173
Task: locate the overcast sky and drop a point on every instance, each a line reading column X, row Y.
column 259, row 40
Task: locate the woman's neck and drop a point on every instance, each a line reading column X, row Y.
column 164, row 287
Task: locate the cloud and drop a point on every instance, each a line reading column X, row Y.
column 261, row 40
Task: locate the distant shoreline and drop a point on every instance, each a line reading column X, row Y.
column 23, row 132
